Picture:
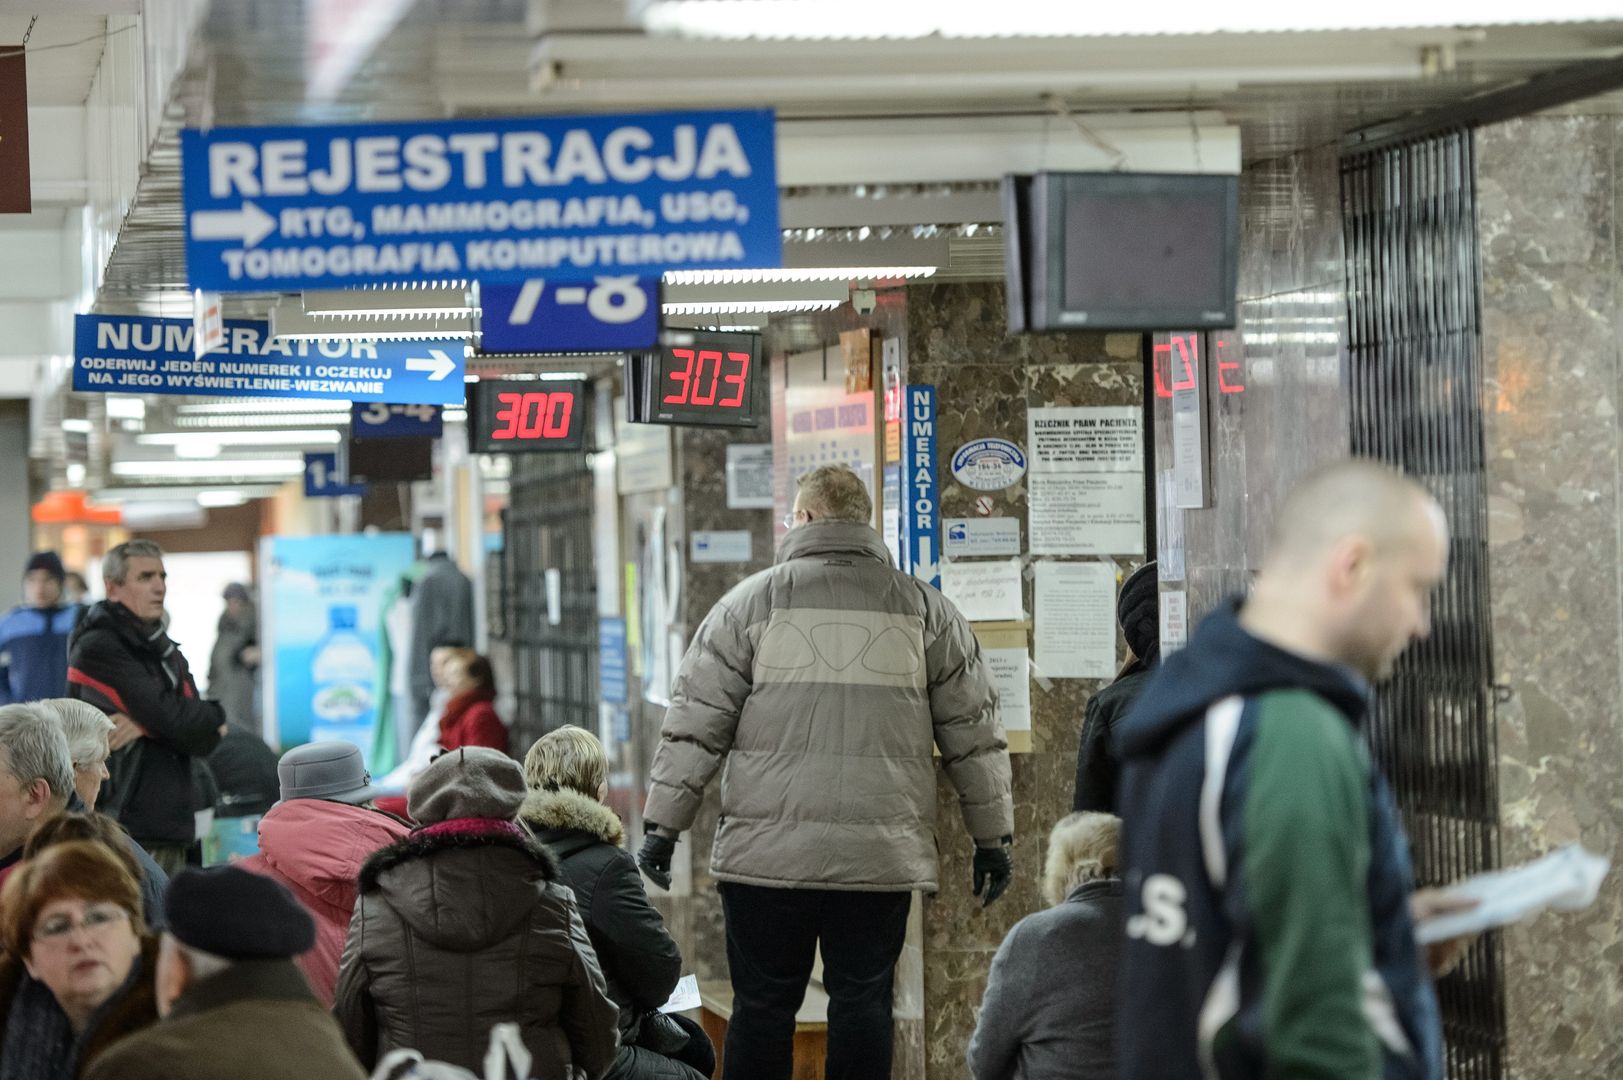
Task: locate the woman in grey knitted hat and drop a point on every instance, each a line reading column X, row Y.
column 466, row 923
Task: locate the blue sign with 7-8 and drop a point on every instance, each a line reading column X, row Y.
column 606, row 314
column 139, row 354
column 281, row 209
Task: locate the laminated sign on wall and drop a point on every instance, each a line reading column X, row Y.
column 1086, row 490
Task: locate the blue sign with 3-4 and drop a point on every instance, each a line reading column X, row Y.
column 139, row 354
column 609, row 313
column 375, row 420
column 280, row 209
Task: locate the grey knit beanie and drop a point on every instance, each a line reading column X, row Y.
column 472, row 782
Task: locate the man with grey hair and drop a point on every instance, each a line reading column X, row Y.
column 120, row 659
column 36, row 773
column 821, row 688
column 37, row 751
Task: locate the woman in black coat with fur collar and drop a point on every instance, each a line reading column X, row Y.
column 467, row 923
column 640, row 960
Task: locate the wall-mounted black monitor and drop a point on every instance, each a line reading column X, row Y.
column 1122, row 251
column 516, row 416
column 703, row 379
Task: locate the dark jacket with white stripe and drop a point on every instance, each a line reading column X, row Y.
column 1267, row 877
column 122, row 665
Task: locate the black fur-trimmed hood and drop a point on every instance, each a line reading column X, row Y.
column 464, row 835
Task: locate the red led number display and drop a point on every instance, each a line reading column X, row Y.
column 707, row 377
column 534, row 415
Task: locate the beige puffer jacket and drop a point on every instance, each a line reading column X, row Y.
column 823, row 684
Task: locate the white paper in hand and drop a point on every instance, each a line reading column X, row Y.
column 684, row 997
column 1567, row 880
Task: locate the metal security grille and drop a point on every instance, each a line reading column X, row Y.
column 1409, row 218
column 547, row 527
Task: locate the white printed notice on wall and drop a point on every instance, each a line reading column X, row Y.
column 1010, row 670
column 1086, row 480
column 986, row 590
column 749, row 476
column 1076, row 620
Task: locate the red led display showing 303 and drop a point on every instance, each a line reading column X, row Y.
column 708, row 380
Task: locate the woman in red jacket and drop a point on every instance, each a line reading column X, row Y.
column 470, row 716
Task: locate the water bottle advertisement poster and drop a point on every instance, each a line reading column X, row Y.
column 326, row 595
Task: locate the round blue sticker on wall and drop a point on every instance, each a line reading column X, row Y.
column 988, row 464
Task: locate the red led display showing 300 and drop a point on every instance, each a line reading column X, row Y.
column 512, row 416
column 708, row 380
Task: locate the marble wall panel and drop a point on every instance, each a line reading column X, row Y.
column 985, row 383
column 1548, row 213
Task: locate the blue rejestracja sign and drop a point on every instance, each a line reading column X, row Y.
column 607, row 314
column 139, row 354
column 280, row 209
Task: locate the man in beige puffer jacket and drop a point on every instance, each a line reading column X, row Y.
column 821, row 687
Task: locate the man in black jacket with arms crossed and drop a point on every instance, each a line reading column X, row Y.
column 121, row 660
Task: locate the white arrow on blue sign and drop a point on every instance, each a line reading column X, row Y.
column 280, row 209
column 137, row 354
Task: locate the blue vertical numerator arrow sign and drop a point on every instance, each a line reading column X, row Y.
column 137, row 354
column 291, row 208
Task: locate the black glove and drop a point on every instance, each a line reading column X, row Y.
column 994, row 869
column 655, row 856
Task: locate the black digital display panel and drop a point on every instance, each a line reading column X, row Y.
column 516, row 416
column 706, row 380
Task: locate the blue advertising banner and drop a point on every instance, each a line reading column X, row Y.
column 323, row 479
column 375, row 420
column 324, row 618
column 611, row 661
column 280, row 209
column 921, row 516
column 139, row 354
column 606, row 315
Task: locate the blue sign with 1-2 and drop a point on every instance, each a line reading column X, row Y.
column 279, row 209
column 610, row 313
column 376, row 420
column 921, row 508
column 138, row 354
column 323, row 479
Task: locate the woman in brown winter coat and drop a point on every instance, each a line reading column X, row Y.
column 465, row 924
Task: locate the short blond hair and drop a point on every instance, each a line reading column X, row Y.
column 1082, row 848
column 835, row 493
column 570, row 757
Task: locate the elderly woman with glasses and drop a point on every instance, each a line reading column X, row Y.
column 79, row 967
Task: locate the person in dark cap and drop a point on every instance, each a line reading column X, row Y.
column 34, row 635
column 315, row 841
column 490, row 929
column 1138, row 610
column 232, row 1001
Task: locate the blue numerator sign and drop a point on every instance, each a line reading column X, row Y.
column 921, row 506
column 289, row 208
column 606, row 314
column 138, row 354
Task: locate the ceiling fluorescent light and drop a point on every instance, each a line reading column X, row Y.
column 126, row 408
column 220, row 471
column 796, row 274
column 427, row 301
column 830, row 20
column 239, row 420
column 296, row 437
column 218, row 498
column 78, row 426
column 256, row 406
column 289, row 320
column 770, row 307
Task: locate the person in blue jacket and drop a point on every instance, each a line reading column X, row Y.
column 34, row 635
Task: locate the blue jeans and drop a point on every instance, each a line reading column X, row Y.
column 772, row 941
